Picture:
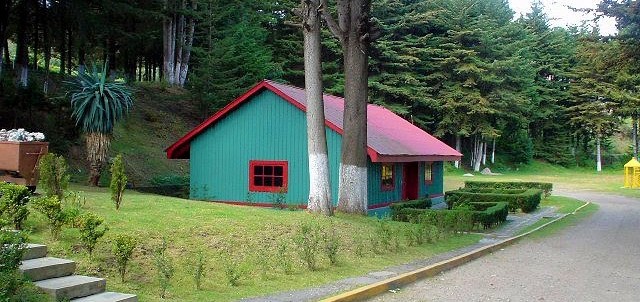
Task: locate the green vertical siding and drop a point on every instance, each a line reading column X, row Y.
column 437, row 186
column 264, row 128
column 376, row 194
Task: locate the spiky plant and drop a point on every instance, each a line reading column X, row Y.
column 97, row 104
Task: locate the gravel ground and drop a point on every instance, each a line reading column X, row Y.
column 596, row 260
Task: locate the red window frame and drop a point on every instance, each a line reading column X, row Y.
column 429, row 166
column 387, row 187
column 269, row 168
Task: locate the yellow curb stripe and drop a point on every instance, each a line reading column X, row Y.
column 377, row 288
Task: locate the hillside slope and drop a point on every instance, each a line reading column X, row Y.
column 158, row 118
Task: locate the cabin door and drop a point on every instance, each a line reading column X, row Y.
column 410, row 181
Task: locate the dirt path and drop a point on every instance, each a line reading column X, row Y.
column 596, row 260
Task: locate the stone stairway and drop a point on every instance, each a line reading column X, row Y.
column 55, row 277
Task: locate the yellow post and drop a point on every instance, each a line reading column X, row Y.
column 632, row 174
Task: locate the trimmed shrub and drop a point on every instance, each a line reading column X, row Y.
column 123, row 246
column 13, row 203
column 546, row 187
column 91, row 231
column 527, row 201
column 118, row 180
column 482, row 214
column 54, row 178
column 423, row 203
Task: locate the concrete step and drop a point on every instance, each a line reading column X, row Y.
column 108, row 297
column 70, row 287
column 47, row 267
column 33, row 251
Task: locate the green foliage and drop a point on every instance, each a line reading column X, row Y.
column 232, row 272
column 54, row 178
column 13, row 286
column 122, row 248
column 527, row 201
column 98, row 103
column 118, row 180
column 462, row 218
column 308, row 241
column 91, row 230
column 331, row 245
column 164, row 267
column 279, row 199
column 423, row 203
column 51, row 208
column 546, row 187
column 13, row 204
column 199, row 263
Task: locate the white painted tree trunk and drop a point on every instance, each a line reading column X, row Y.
column 353, row 179
column 168, row 45
column 319, row 181
column 458, row 148
column 598, row 155
column 493, row 151
column 476, row 158
column 484, row 153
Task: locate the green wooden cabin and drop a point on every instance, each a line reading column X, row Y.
column 254, row 152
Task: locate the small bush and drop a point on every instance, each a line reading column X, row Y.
column 13, row 203
column 164, row 267
column 284, row 259
column 332, row 245
column 54, row 178
column 385, row 234
column 527, row 200
column 461, row 219
column 123, row 246
column 544, row 186
column 423, row 203
column 91, row 230
column 308, row 242
column 233, row 272
column 198, row 269
column 51, row 208
column 13, row 286
column 118, row 180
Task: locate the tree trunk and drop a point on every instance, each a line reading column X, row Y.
column 352, row 29
column 5, row 6
column 62, row 50
column 168, row 45
column 22, row 51
column 477, row 154
column 634, row 120
column 184, row 68
column 598, row 155
column 97, row 145
column 493, row 151
column 458, row 148
column 180, row 41
column 319, row 182
column 484, row 153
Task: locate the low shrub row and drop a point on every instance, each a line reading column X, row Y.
column 423, row 203
column 465, row 217
column 527, row 201
column 546, row 187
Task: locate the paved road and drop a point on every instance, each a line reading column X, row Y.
column 596, row 260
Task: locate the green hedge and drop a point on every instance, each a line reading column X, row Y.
column 484, row 214
column 423, row 203
column 546, row 187
column 527, row 201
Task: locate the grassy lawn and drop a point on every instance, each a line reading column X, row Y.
column 257, row 242
column 564, row 205
column 577, row 179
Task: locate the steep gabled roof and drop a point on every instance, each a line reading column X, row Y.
column 390, row 138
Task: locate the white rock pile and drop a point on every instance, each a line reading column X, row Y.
column 20, row 135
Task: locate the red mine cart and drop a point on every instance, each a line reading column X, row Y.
column 19, row 162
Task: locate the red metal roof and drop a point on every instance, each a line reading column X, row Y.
column 390, row 138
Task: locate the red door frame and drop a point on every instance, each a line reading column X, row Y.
column 410, row 181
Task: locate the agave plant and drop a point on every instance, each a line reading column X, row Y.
column 97, row 104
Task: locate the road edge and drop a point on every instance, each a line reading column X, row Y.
column 379, row 287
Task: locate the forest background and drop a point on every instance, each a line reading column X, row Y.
column 467, row 71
